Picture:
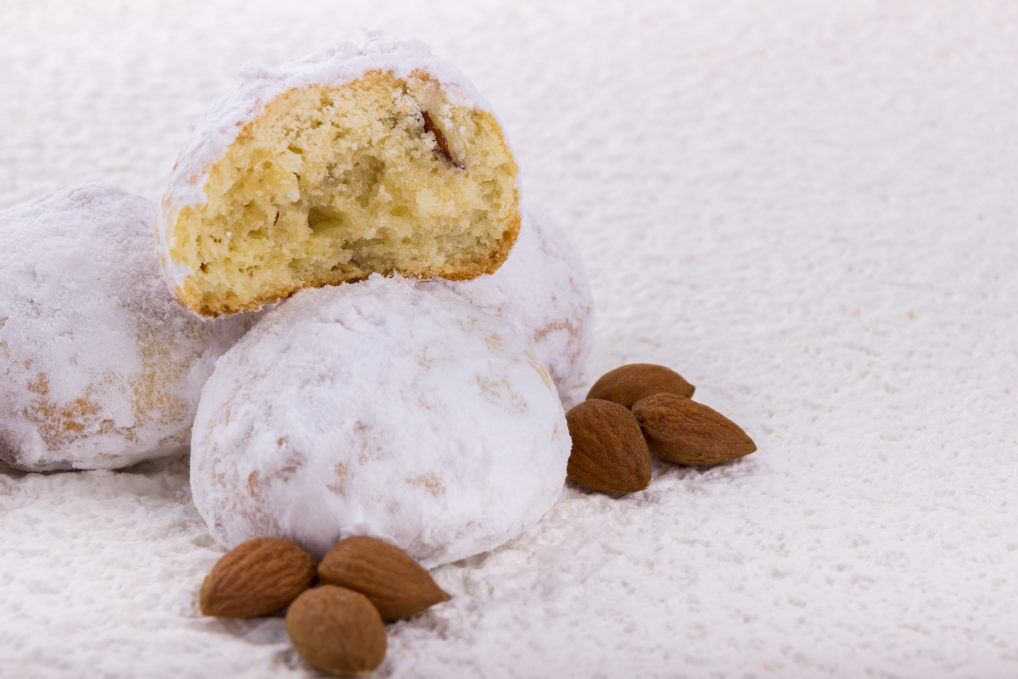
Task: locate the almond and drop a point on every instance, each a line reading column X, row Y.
column 256, row 577
column 336, row 630
column 684, row 431
column 627, row 384
column 440, row 140
column 609, row 453
column 396, row 584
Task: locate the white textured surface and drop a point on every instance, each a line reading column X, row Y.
column 807, row 208
column 542, row 292
column 101, row 369
column 378, row 409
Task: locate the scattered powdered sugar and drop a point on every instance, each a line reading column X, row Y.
column 806, row 208
column 101, row 368
column 542, row 292
column 378, row 409
column 218, row 128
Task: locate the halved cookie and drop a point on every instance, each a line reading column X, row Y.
column 370, row 159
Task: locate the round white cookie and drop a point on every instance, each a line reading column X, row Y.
column 378, row 409
column 99, row 367
column 543, row 293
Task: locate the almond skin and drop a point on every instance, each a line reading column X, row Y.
column 609, row 452
column 396, row 584
column 686, row 432
column 627, row 384
column 256, row 577
column 336, row 630
column 443, row 143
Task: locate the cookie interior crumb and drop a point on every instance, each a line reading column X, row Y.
column 332, row 183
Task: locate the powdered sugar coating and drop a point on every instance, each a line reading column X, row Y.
column 542, row 292
column 100, row 367
column 218, row 128
column 378, row 409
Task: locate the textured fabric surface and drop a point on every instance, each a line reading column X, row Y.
column 807, row 208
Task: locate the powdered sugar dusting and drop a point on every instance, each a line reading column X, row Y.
column 378, row 409
column 101, row 368
column 542, row 292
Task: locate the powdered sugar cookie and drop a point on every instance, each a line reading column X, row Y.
column 543, row 293
column 99, row 367
column 369, row 158
column 378, row 409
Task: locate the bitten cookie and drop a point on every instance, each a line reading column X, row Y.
column 543, row 293
column 372, row 158
column 382, row 410
column 99, row 367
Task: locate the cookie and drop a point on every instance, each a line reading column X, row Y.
column 543, row 293
column 362, row 159
column 99, row 367
column 383, row 410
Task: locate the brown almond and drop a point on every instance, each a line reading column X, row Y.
column 440, row 140
column 627, row 384
column 256, row 577
column 396, row 584
column 686, row 432
column 336, row 630
column 609, row 453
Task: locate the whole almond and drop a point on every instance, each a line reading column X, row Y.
column 336, row 630
column 627, row 384
column 684, row 431
column 256, row 577
column 609, row 452
column 396, row 584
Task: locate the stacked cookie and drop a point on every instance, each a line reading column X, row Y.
column 406, row 383
column 100, row 369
